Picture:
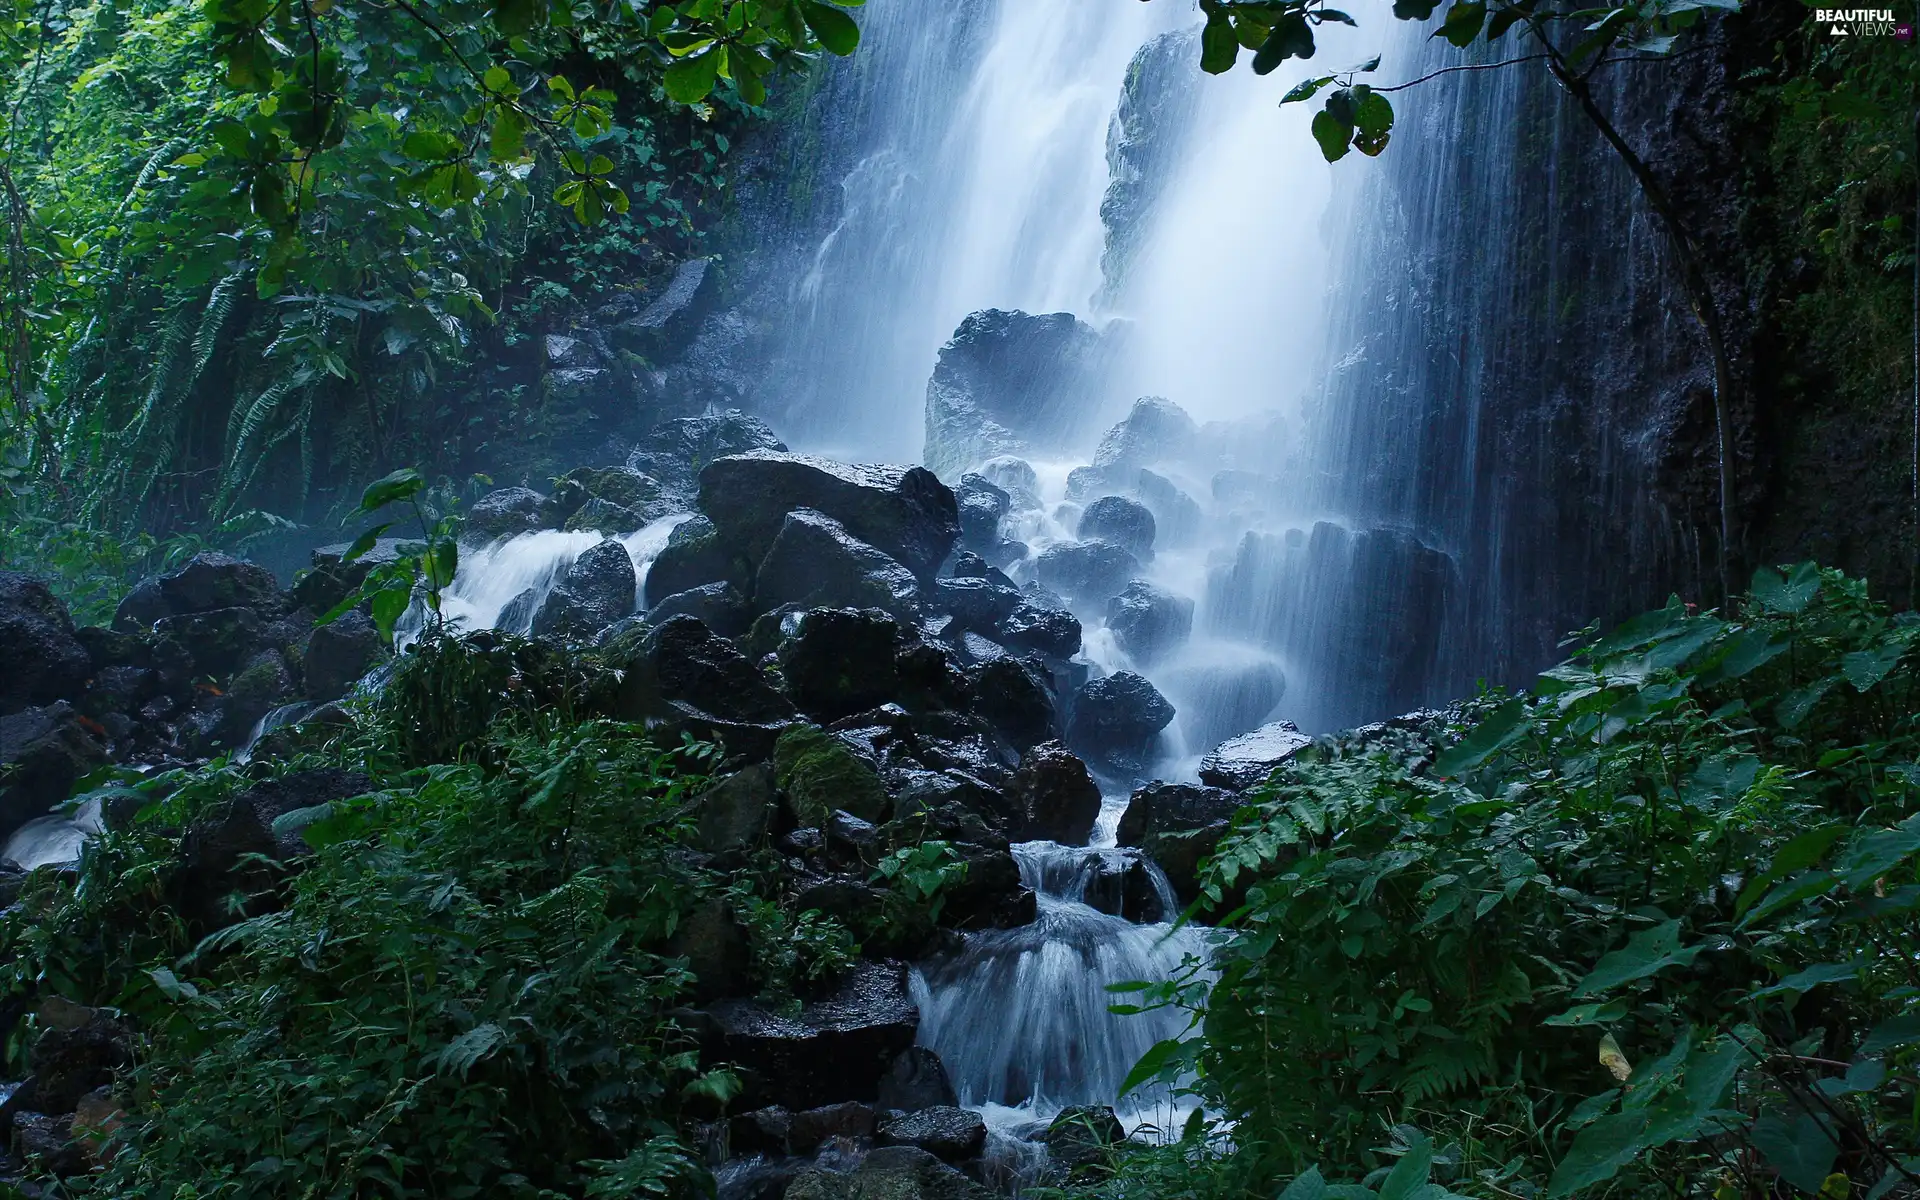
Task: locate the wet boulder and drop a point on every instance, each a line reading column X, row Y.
column 44, row 661
column 991, row 895
column 736, row 812
column 835, row 1049
column 43, row 753
column 505, row 512
column 1155, row 430
column 904, row 512
column 982, row 504
column 79, row 1049
column 211, row 580
column 600, row 515
column 221, row 877
column 888, row 1173
column 1087, row 573
column 670, row 318
column 1242, row 762
column 339, row 653
column 719, row 606
column 716, row 950
column 1014, row 476
column 821, row 775
column 1058, row 799
column 841, row 661
column 1176, row 515
column 943, row 1130
column 696, row 666
column 594, row 591
column 1083, row 1135
column 1122, row 522
column 916, row 1080
column 978, row 603
column 695, row 555
column 1013, row 697
column 675, row 451
column 815, row 562
column 1007, row 383
column 1039, row 627
column 1116, row 719
column 218, row 640
column 1178, row 825
column 1149, row 622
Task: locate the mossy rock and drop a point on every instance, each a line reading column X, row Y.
column 820, row 775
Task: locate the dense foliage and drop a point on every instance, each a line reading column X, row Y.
column 1646, row 930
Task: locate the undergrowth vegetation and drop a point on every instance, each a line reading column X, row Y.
column 1645, row 931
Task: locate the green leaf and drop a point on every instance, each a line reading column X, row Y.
column 690, row 80
column 365, row 542
column 389, row 604
column 1305, row 89
column 1290, row 38
column 1898, row 1031
column 1795, row 705
column 1786, row 594
column 1502, row 727
column 1871, row 853
column 1463, row 22
column 440, row 562
column 1801, row 887
column 835, row 29
column 1333, row 135
column 1647, row 952
column 1812, row 977
column 1309, row 1186
column 517, row 17
column 1799, row 1147
column 1865, row 668
column 460, row 1055
column 1408, row 1178
column 1219, row 48
column 1797, row 855
column 1599, row 1151
column 401, row 485
column 1414, row 10
column 1164, row 1059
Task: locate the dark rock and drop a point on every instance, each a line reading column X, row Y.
column 142, row 607
column 841, row 661
column 504, row 512
column 889, row 1173
column 258, row 688
column 669, row 321
column 916, row 1080
column 1154, row 431
column 982, row 504
column 47, row 1142
column 1087, row 573
column 627, row 498
column 834, row 1050
column 44, row 661
column 1176, row 515
column 1160, row 807
column 1048, row 630
column 932, row 678
column 953, row 805
column 1058, row 799
column 1241, row 762
column 1124, row 523
column 1008, row 383
column 735, row 813
column 943, row 1130
column 600, row 515
column 990, row 895
column 220, row 853
column 1083, row 1136
column 843, row 897
column 675, row 451
column 815, row 562
column 979, row 604
column 43, row 753
column 516, row 615
column 715, row 948
column 338, row 654
column 905, row 512
column 1116, row 718
column 1013, row 697
column 697, row 666
column 720, row 606
column 211, row 580
column 1120, row 883
column 695, row 555
column 594, row 591
column 820, row 775
column 217, row 640
column 850, row 837
column 75, row 1055
column 1149, row 622
column 809, row 1128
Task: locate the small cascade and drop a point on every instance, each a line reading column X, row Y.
column 54, row 839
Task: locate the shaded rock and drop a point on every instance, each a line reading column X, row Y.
column 1058, row 799
column 808, row 1129
column 889, row 1173
column 1176, row 515
column 905, row 512
column 1149, row 622
column 211, row 580
column 1116, row 718
column 1083, row 1135
column 1124, row 523
column 991, row 895
column 1225, row 697
column 44, row 661
column 670, row 319
column 956, row 806
column 218, row 852
column 736, row 812
column 820, row 775
column 1155, row 430
column 1087, row 572
column 217, row 640
column 339, row 653
column 982, row 504
column 815, row 562
column 719, row 606
column 1013, row 697
column 46, row 1141
column 916, row 1080
column 1016, row 477
column 143, row 606
column 594, row 591
column 931, row 678
column 74, row 1056
column 841, row 661
column 504, row 512
column 1241, row 762
column 43, row 753
column 255, row 690
column 516, row 615
column 695, row 555
column 715, row 948
column 1008, row 383
column 1048, row 630
column 944, row 1131
column 676, row 451
column 696, row 666
column 1160, row 807
column 980, row 604
column 836, row 1049
column 600, row 515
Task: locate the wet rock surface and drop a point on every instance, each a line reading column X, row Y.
column 836, row 1049
column 1116, row 718
column 1241, row 762
column 905, row 512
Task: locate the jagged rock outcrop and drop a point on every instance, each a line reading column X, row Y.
column 814, row 562
column 1008, row 383
column 1149, row 622
column 904, row 512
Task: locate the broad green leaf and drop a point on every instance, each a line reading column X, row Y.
column 1646, row 952
column 1408, row 1178
column 1871, row 853
column 1801, row 887
column 1812, row 977
column 469, row 1048
column 1795, row 705
column 1289, row 38
column 1790, row 593
column 1219, row 48
column 1163, row 1059
column 401, row 485
column 1797, row 855
column 1599, row 1151
column 1334, row 137
column 1414, row 10
column 365, row 542
column 835, row 29
column 1501, row 728
column 1897, row 1031
column 1305, row 89
column 1463, row 22
column 690, row 80
column 1799, row 1147
column 1865, row 668
column 1309, row 1186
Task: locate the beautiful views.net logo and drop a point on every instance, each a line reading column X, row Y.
column 1863, row 22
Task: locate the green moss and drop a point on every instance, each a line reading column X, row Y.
column 820, row 775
